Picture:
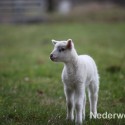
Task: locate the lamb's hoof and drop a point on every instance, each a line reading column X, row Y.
column 78, row 123
column 69, row 119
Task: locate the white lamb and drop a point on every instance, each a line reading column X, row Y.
column 78, row 73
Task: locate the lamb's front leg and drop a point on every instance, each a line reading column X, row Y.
column 79, row 101
column 70, row 103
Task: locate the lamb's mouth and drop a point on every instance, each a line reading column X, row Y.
column 53, row 59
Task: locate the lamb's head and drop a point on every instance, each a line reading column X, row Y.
column 63, row 51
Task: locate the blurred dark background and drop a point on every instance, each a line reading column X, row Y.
column 37, row 11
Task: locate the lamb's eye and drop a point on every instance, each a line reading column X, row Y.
column 61, row 49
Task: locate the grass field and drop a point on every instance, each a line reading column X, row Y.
column 31, row 91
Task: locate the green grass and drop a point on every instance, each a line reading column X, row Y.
column 31, row 92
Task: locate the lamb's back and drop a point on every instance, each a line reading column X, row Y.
column 89, row 66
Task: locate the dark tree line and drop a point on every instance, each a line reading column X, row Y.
column 51, row 3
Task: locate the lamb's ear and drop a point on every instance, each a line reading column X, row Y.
column 54, row 42
column 69, row 44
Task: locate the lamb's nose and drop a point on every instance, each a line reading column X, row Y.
column 51, row 55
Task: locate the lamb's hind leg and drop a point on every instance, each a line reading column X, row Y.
column 84, row 105
column 93, row 98
column 70, row 103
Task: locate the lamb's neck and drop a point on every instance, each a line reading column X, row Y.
column 72, row 64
